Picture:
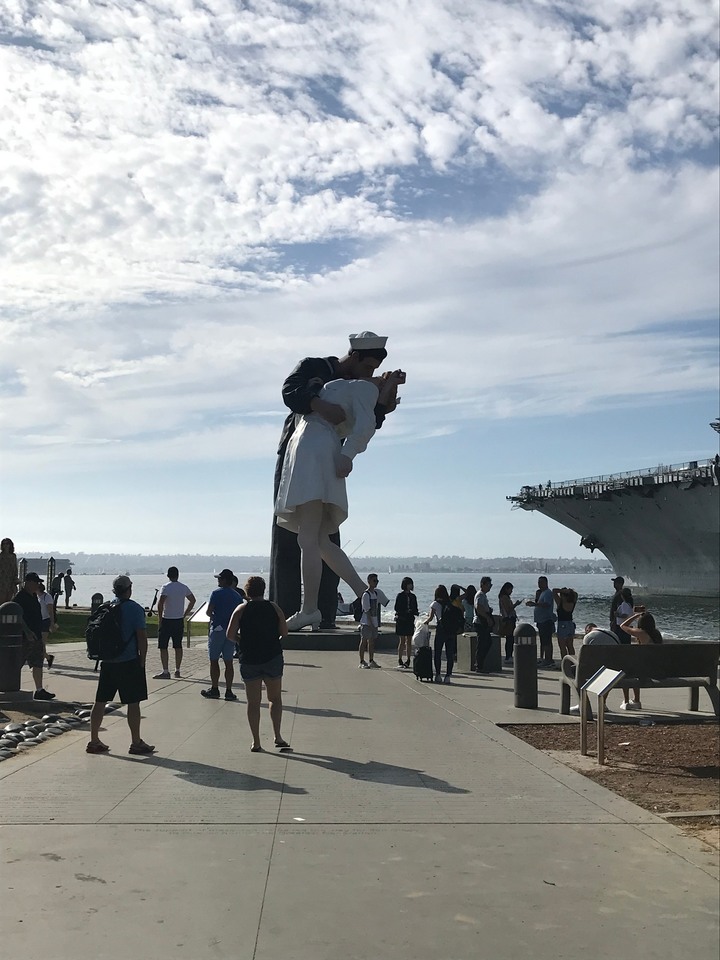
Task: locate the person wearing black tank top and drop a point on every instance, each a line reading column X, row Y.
column 258, row 627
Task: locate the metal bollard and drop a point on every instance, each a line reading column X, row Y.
column 11, row 646
column 525, row 656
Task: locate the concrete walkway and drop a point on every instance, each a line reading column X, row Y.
column 406, row 824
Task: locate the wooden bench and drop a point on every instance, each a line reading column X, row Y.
column 647, row 666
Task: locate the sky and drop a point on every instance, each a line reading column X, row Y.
column 523, row 196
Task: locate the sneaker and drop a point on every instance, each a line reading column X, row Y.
column 50, row 660
column 162, row 676
column 407, row 664
column 141, row 749
column 508, row 660
column 42, row 694
column 373, row 666
column 446, row 680
column 575, row 711
column 627, row 705
column 177, row 674
column 362, row 665
column 438, row 678
column 635, row 705
column 212, row 694
column 229, row 695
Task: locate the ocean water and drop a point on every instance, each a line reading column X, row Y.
column 683, row 618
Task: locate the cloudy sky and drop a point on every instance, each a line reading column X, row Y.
column 194, row 195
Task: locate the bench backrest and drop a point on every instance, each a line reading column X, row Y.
column 656, row 661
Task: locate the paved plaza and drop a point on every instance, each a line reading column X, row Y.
column 405, row 824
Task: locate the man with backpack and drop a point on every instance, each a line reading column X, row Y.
column 117, row 636
column 483, row 624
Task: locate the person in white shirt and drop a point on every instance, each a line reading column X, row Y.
column 172, row 611
column 47, row 608
column 369, row 623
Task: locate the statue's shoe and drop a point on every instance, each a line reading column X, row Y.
column 299, row 620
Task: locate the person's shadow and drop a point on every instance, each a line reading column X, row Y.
column 375, row 771
column 219, row 778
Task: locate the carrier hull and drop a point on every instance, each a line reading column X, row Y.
column 660, row 529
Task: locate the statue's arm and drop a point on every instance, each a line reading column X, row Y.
column 363, row 401
column 305, row 383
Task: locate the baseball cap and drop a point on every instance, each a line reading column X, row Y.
column 621, row 579
column 121, row 584
column 32, row 576
column 224, row 574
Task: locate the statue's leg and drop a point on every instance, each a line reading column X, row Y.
column 284, row 586
column 309, row 517
column 336, row 558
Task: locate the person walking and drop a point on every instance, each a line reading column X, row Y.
column 220, row 608
column 259, row 627
column 69, row 586
column 32, row 644
column 124, row 674
column 508, row 618
column 406, row 609
column 47, row 610
column 175, row 603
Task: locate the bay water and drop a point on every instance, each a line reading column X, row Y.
column 687, row 618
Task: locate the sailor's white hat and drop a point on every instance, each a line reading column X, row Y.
column 367, row 340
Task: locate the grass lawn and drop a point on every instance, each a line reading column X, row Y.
column 71, row 627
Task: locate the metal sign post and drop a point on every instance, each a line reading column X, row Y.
column 199, row 616
column 600, row 684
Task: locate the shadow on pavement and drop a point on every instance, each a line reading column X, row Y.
column 206, row 775
column 375, row 771
column 323, row 712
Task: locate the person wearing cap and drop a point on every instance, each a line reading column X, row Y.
column 33, row 652
column 123, row 675
column 300, row 393
column 171, row 621
column 618, row 583
column 220, row 608
column 312, row 496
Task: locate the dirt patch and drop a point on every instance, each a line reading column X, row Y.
column 666, row 768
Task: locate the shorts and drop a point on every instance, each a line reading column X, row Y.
column 545, row 632
column 368, row 632
column 46, row 625
column 405, row 626
column 33, row 652
column 565, row 629
column 171, row 629
column 270, row 670
column 219, row 647
column 126, row 678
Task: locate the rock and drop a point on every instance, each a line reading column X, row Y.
column 33, row 741
column 52, row 732
column 12, row 727
column 28, row 734
column 14, row 737
column 23, row 746
column 51, row 717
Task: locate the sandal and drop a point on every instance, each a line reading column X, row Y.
column 256, row 750
column 283, row 746
column 141, row 749
column 96, row 746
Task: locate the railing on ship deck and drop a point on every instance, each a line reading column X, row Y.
column 590, row 487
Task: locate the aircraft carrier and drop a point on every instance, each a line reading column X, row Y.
column 659, row 528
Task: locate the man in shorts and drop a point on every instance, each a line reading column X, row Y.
column 220, row 608
column 33, row 649
column 124, row 674
column 171, row 621
column 369, row 623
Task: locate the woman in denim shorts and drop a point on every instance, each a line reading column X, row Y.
column 258, row 627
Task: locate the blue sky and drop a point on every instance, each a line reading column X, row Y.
column 193, row 196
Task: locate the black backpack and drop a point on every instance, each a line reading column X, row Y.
column 452, row 619
column 103, row 634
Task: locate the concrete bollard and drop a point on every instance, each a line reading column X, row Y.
column 525, row 656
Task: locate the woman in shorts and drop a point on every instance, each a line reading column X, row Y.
column 258, row 626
